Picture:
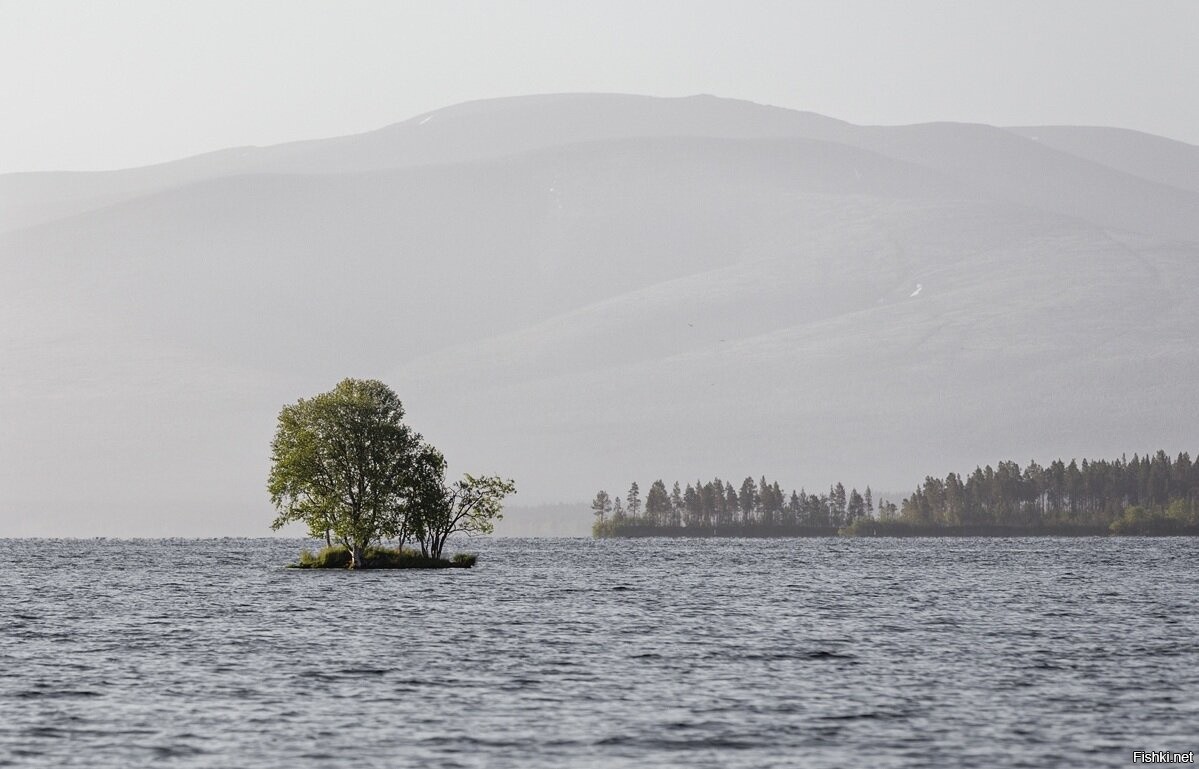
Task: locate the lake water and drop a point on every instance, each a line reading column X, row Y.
column 573, row 653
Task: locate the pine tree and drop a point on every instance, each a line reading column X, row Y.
column 855, row 508
column 776, row 499
column 836, row 498
column 657, row 504
column 818, row 510
column 695, row 512
column 601, row 506
column 676, row 506
column 748, row 499
column 634, row 500
column 707, row 500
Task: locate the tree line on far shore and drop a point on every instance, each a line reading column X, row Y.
column 718, row 508
column 1151, row 494
column 1143, row 495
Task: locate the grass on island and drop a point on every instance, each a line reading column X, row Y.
column 338, row 557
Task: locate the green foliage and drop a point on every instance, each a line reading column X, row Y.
column 1177, row 519
column 604, row 528
column 341, row 464
column 464, row 560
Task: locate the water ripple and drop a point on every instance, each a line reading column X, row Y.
column 561, row 653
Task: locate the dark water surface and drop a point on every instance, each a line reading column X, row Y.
column 573, row 653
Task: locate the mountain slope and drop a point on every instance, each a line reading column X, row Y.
column 1013, row 168
column 1154, row 158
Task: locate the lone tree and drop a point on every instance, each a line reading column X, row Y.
column 340, row 463
column 344, row 464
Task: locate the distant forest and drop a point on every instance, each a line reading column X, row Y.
column 1151, row 495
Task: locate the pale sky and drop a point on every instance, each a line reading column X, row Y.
column 90, row 85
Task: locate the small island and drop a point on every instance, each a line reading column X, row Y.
column 344, row 464
column 1150, row 495
column 341, row 557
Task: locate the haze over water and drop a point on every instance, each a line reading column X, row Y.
column 551, row 653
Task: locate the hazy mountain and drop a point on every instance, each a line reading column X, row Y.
column 1151, row 157
column 580, row 290
column 466, row 132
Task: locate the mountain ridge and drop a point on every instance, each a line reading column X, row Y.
column 20, row 193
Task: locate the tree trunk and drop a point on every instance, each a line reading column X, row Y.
column 439, row 544
column 357, row 557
